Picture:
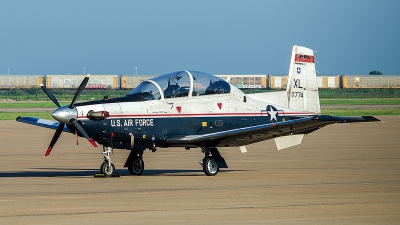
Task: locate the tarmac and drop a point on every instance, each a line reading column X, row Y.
column 341, row 174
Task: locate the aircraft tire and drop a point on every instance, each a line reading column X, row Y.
column 136, row 167
column 210, row 166
column 106, row 170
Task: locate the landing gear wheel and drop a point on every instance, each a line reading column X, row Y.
column 210, row 166
column 106, row 169
column 136, row 167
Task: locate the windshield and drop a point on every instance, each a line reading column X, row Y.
column 148, row 90
column 173, row 85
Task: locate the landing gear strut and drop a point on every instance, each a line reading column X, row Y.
column 107, row 167
column 211, row 164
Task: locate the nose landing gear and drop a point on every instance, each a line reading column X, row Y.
column 107, row 167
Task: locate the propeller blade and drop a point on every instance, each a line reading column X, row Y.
column 55, row 138
column 83, row 132
column 79, row 91
column 49, row 94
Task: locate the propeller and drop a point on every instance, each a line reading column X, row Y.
column 67, row 115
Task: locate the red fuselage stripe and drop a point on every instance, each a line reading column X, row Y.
column 205, row 115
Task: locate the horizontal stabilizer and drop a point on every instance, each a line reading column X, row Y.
column 348, row 119
column 288, row 141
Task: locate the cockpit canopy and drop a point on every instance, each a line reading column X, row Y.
column 181, row 84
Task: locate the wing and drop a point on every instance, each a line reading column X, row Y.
column 41, row 123
column 253, row 134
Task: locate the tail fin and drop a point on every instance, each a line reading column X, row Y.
column 302, row 88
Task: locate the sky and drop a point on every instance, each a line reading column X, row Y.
column 214, row 36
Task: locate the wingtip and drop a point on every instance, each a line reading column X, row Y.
column 371, row 119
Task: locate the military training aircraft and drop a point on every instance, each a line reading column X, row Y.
column 193, row 109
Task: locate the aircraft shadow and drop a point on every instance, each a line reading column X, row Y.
column 57, row 172
column 50, row 172
column 189, row 173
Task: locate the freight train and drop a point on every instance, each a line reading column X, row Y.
column 243, row 81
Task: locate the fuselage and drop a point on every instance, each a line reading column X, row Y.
column 150, row 120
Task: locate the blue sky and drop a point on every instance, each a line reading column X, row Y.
column 214, row 36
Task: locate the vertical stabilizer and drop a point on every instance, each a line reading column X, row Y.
column 302, row 89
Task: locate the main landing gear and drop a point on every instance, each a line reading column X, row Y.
column 211, row 164
column 135, row 162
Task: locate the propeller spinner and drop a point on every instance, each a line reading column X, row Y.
column 67, row 115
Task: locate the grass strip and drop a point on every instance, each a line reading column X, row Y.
column 32, row 104
column 361, row 112
column 14, row 115
column 369, row 101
